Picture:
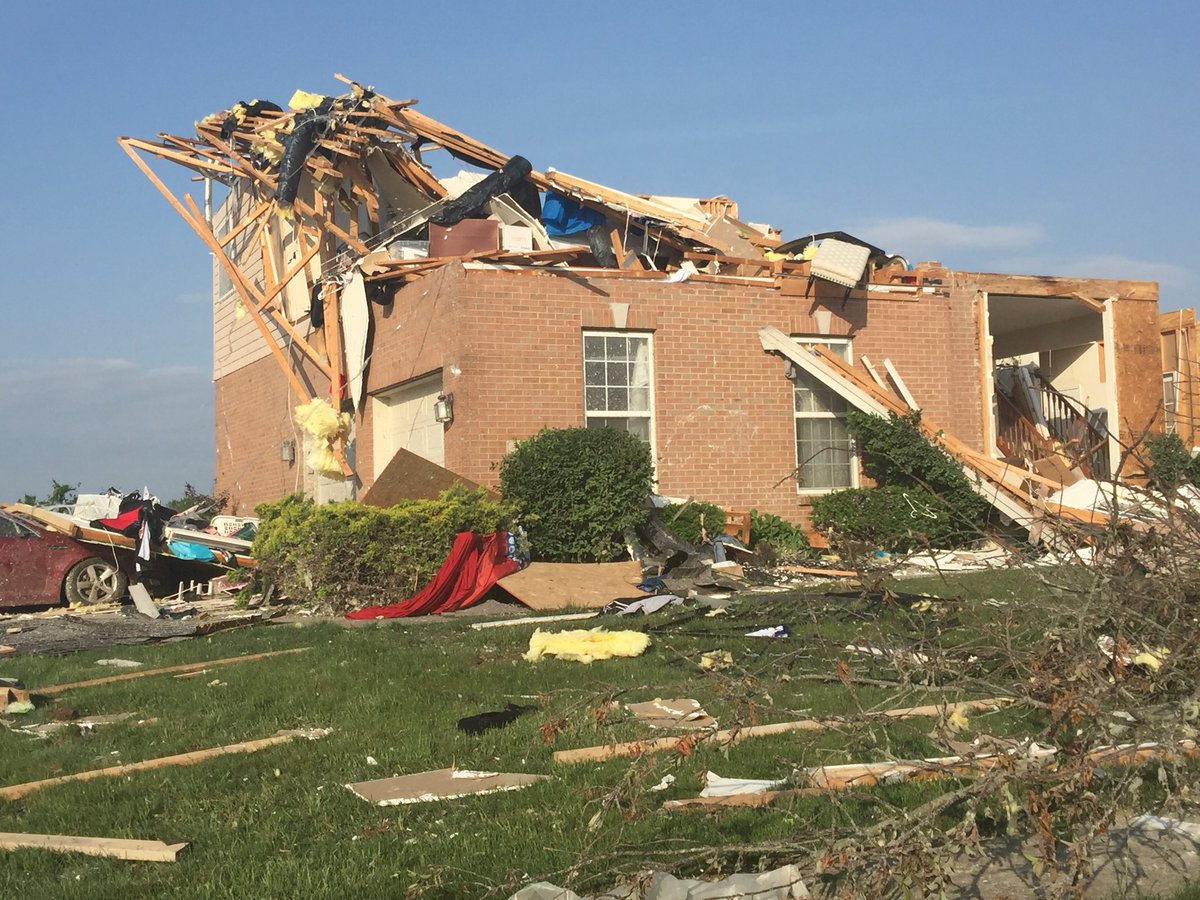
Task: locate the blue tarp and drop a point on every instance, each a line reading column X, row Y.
column 563, row 216
column 188, row 550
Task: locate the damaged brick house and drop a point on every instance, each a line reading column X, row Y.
column 452, row 317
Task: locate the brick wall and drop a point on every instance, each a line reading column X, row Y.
column 508, row 345
column 253, row 412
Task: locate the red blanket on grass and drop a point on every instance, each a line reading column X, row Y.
column 475, row 564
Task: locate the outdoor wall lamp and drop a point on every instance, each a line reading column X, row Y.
column 287, row 452
column 443, row 408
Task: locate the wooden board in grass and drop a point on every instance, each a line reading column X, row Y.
column 544, row 585
column 117, row 848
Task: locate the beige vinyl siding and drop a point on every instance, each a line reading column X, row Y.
column 237, row 342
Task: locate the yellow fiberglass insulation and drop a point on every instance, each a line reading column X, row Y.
column 319, row 419
column 586, row 646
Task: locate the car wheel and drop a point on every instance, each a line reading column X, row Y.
column 93, row 581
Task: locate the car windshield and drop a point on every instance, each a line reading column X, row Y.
column 16, row 525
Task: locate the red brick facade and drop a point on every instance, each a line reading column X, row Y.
column 509, row 347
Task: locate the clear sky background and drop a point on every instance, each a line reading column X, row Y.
column 1042, row 138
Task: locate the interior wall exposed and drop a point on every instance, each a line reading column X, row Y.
column 1021, row 325
column 1077, row 372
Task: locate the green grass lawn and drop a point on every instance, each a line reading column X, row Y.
column 280, row 823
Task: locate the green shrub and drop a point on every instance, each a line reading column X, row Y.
column 578, row 490
column 687, row 520
column 887, row 518
column 346, row 555
column 786, row 539
column 897, row 454
column 1171, row 463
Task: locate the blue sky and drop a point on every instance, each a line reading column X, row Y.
column 1016, row 137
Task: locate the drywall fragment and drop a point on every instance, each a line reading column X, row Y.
column 660, row 713
column 718, row 786
column 142, row 600
column 117, row 848
column 439, row 784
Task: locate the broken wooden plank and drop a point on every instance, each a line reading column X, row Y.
column 901, row 387
column 862, row 357
column 534, row 620
column 165, row 670
column 52, row 520
column 17, row 791
column 741, row 801
column 117, row 848
column 813, row 570
column 737, row 735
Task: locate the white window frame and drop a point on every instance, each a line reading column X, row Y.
column 628, row 414
column 224, row 221
column 1170, row 380
column 842, row 345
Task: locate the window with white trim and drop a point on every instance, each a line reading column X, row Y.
column 826, row 458
column 1170, row 387
column 617, row 379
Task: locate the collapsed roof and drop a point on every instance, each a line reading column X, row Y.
column 353, row 167
column 332, row 203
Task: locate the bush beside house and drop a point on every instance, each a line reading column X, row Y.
column 578, row 490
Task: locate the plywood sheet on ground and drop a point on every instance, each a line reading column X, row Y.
column 412, row 477
column 544, row 585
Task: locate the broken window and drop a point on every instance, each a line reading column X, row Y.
column 825, row 454
column 616, row 382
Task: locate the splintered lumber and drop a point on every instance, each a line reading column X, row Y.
column 17, row 791
column 867, row 774
column 117, row 848
column 901, row 387
column 842, row 777
column 741, row 801
column 836, row 374
column 534, row 620
column 165, row 670
column 731, row 736
column 52, row 520
column 813, row 570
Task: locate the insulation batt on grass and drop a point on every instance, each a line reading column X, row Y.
column 586, row 646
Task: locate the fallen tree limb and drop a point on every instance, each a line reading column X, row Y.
column 737, row 735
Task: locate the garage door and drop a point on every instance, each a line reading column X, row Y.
column 403, row 419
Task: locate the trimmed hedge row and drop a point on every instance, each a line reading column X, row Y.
column 342, row 556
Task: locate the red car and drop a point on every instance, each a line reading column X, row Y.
column 39, row 567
